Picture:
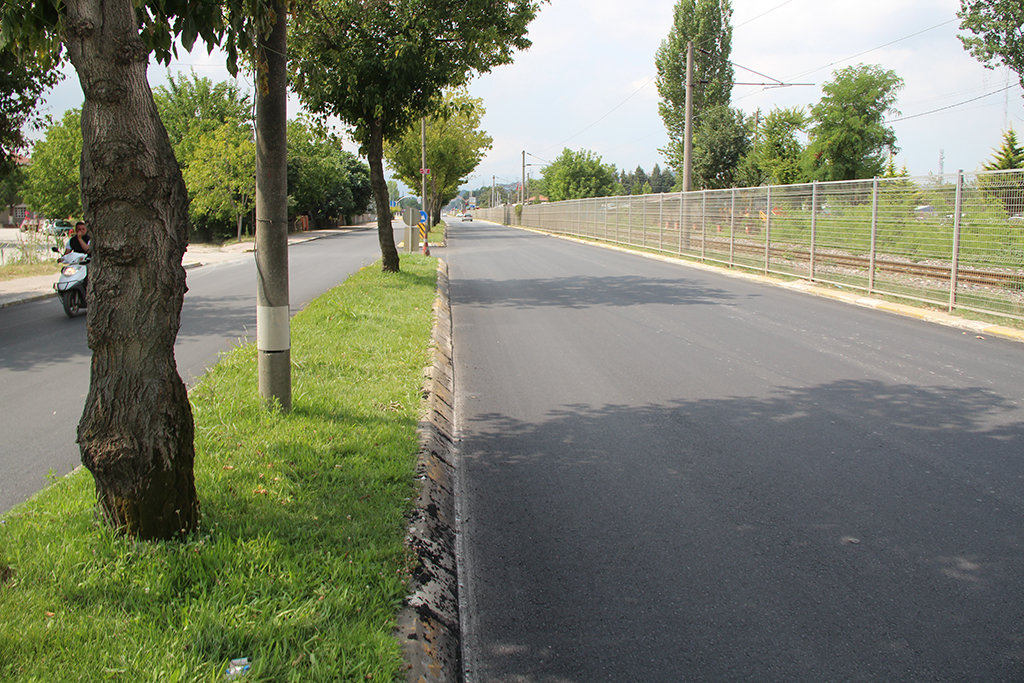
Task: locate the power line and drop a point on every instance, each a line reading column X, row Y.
column 951, row 106
column 762, row 14
column 602, row 118
column 860, row 54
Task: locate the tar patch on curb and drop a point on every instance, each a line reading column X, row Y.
column 428, row 625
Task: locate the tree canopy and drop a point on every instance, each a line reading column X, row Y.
column 848, row 137
column 719, row 144
column 379, row 66
column 1008, row 156
column 707, row 24
column 998, row 28
column 221, row 175
column 324, row 181
column 191, row 106
column 52, row 182
column 23, row 80
column 779, row 148
column 576, row 175
column 455, row 146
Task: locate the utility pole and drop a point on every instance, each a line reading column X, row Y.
column 522, row 186
column 688, row 125
column 273, row 332
column 423, row 168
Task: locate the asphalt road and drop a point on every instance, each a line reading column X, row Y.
column 668, row 474
column 44, row 357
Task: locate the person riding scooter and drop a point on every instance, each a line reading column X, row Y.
column 74, row 273
column 80, row 240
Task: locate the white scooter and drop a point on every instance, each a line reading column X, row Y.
column 71, row 286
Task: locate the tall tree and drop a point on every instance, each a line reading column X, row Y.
column 378, row 66
column 455, row 146
column 719, row 144
column 52, row 182
column 575, row 175
column 221, row 175
column 1009, row 155
column 136, row 433
column 1007, row 188
column 324, row 181
column 849, row 138
column 779, row 148
column 191, row 106
column 998, row 28
column 707, row 24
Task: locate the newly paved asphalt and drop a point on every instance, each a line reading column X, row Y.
column 672, row 475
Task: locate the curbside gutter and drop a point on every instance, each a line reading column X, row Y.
column 428, row 625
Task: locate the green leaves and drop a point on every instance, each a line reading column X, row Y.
column 998, row 28
column 324, row 181
column 221, row 174
column 575, row 175
column 52, row 181
column 455, row 145
column 849, row 138
column 386, row 61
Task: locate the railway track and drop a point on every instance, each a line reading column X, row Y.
column 986, row 278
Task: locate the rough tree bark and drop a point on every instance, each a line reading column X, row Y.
column 136, row 433
column 385, row 231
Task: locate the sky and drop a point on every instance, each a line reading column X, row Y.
column 588, row 81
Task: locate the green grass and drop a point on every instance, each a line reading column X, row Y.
column 300, row 564
column 14, row 271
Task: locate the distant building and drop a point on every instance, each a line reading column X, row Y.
column 13, row 215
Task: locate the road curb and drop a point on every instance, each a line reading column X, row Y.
column 25, row 300
column 428, row 625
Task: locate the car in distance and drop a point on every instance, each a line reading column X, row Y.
column 57, row 227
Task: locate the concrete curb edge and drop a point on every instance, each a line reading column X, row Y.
column 428, row 625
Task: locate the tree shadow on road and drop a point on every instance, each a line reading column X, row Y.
column 856, row 524
column 577, row 292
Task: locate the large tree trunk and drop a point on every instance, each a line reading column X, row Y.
column 136, row 433
column 385, row 230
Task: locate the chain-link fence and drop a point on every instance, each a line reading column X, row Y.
column 953, row 240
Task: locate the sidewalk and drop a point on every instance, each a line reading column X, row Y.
column 41, row 287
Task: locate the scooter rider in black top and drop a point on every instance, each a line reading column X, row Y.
column 79, row 242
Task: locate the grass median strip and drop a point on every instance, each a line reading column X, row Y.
column 300, row 565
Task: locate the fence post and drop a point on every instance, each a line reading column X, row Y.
column 661, row 224
column 814, row 223
column 605, row 220
column 768, row 232
column 732, row 228
column 679, row 225
column 954, row 270
column 874, row 235
column 643, row 223
column 629, row 222
column 703, row 223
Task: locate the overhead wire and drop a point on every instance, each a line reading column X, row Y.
column 951, row 106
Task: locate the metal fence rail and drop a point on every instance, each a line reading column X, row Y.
column 955, row 240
